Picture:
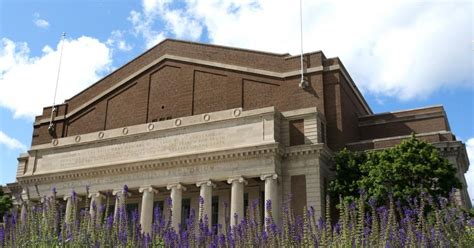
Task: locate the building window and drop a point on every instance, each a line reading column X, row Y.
column 158, row 206
column 296, row 130
column 185, row 211
column 131, row 208
column 215, row 213
column 246, row 204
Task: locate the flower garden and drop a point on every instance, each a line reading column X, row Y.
column 425, row 222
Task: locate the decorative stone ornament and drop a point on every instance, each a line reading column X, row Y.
column 55, row 142
column 100, row 135
column 151, row 126
column 125, row 131
column 206, row 117
column 237, row 112
column 77, row 138
column 177, row 122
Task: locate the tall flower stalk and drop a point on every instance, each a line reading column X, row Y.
column 427, row 223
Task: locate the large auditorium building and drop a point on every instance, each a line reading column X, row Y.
column 230, row 125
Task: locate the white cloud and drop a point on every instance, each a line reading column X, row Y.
column 11, row 143
column 142, row 25
column 178, row 22
column 117, row 40
column 39, row 22
column 27, row 83
column 401, row 49
column 470, row 174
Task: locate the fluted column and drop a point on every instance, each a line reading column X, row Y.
column 146, row 214
column 236, row 199
column 176, row 204
column 96, row 203
column 206, row 205
column 271, row 195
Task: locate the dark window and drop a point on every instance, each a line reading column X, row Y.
column 246, row 203
column 185, row 211
column 131, row 208
column 262, row 207
column 215, row 212
column 158, row 206
column 296, row 132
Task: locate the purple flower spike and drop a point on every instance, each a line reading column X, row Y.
column 125, row 189
column 268, row 205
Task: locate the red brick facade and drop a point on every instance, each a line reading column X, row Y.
column 174, row 88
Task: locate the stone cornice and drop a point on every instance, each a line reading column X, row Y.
column 140, row 129
column 310, row 149
column 250, row 152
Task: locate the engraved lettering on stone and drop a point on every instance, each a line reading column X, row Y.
column 153, row 148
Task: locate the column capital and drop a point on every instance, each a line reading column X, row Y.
column 67, row 196
column 148, row 188
column 239, row 179
column 207, row 182
column 175, row 185
column 120, row 192
column 96, row 195
column 273, row 176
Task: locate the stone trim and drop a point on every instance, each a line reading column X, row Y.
column 401, row 119
column 304, row 150
column 397, row 137
column 211, row 157
column 135, row 130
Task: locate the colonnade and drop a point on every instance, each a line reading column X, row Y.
column 272, row 193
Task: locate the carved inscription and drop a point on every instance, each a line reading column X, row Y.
column 152, row 148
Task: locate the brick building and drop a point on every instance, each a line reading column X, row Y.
column 231, row 125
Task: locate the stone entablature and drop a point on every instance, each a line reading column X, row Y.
column 224, row 143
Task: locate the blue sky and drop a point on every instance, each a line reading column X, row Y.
column 402, row 54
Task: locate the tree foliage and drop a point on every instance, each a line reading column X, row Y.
column 405, row 171
column 5, row 203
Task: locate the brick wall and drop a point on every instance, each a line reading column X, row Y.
column 172, row 89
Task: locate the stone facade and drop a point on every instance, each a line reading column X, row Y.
column 189, row 121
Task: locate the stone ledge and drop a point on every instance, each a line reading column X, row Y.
column 177, row 123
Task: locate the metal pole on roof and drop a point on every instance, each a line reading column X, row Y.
column 303, row 83
column 53, row 110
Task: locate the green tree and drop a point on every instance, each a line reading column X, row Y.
column 405, row 171
column 5, row 204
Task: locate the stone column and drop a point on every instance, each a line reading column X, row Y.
column 119, row 201
column 236, row 199
column 24, row 211
column 146, row 213
column 206, row 204
column 271, row 194
column 176, row 204
column 68, row 212
column 96, row 200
